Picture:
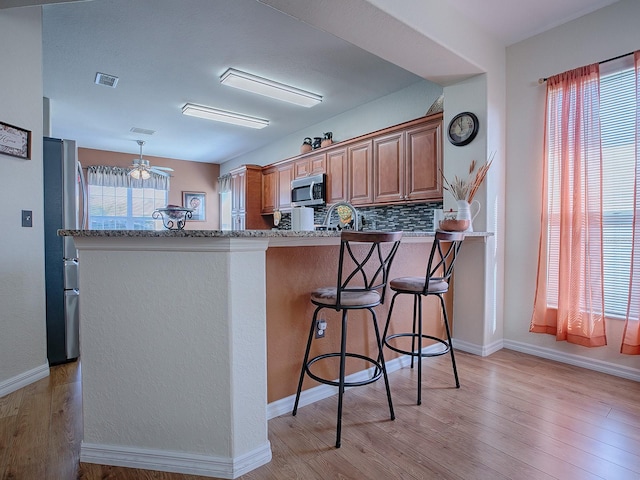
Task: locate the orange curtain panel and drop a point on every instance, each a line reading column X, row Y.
column 569, row 300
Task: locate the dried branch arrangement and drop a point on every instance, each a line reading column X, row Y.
column 466, row 188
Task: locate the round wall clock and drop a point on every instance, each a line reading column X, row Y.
column 463, row 128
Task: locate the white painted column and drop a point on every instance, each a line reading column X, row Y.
column 173, row 353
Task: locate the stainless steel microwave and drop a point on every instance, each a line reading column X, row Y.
column 308, row 191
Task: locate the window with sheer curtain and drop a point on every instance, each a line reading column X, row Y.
column 587, row 239
column 118, row 202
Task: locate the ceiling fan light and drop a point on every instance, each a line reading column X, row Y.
column 223, row 116
column 135, row 173
column 269, row 88
column 145, row 175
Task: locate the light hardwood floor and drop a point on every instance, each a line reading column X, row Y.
column 514, row 417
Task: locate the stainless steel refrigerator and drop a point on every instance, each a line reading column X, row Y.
column 64, row 208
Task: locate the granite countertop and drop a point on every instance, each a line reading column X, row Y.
column 230, row 234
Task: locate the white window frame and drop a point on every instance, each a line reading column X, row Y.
column 118, row 219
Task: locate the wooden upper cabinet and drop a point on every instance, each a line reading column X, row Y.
column 301, row 168
column 389, row 168
column 246, row 198
column 276, row 187
column 238, row 190
column 424, row 162
column 407, row 164
column 285, row 175
column 395, row 165
column 336, row 187
column 311, row 165
column 269, row 190
column 360, row 173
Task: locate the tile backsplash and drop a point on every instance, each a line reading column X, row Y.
column 411, row 218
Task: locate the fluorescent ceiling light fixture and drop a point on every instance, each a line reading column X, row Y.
column 224, row 116
column 269, row 88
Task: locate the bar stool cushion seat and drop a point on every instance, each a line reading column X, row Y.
column 416, row 285
column 328, row 296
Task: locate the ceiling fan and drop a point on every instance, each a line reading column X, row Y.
column 142, row 169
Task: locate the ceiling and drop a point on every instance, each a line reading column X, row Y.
column 167, row 53
column 512, row 21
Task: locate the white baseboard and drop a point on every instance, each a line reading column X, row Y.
column 24, row 379
column 480, row 350
column 577, row 360
column 175, row 462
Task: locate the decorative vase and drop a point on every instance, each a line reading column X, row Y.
column 306, row 145
column 464, row 212
column 327, row 140
column 316, row 142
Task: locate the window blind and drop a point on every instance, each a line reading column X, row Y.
column 617, row 124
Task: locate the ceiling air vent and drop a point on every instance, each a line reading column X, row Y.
column 143, row 131
column 106, row 80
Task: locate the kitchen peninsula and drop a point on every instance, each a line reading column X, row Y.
column 186, row 336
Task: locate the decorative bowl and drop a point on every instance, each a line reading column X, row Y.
column 173, row 216
column 454, row 225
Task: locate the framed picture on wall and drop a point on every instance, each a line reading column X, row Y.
column 196, row 201
column 15, row 141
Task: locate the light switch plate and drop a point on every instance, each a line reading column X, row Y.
column 27, row 218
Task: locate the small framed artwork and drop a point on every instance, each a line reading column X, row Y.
column 15, row 141
column 195, row 200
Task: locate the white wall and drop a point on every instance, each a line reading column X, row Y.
column 22, row 301
column 406, row 104
column 603, row 34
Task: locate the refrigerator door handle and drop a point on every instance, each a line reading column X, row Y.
column 71, row 275
column 72, row 323
column 84, row 218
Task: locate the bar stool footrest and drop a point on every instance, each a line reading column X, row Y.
column 419, row 353
column 377, row 372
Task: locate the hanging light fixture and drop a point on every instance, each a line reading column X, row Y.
column 140, row 168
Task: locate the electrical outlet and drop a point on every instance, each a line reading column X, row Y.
column 321, row 326
column 27, row 218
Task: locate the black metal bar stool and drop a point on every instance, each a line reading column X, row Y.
column 363, row 269
column 444, row 252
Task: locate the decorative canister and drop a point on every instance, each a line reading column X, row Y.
column 306, row 145
column 316, row 142
column 327, row 140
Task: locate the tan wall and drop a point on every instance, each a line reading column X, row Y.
column 186, row 177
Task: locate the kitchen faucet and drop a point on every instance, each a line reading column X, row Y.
column 341, row 223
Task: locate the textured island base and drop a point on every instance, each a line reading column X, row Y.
column 174, row 354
